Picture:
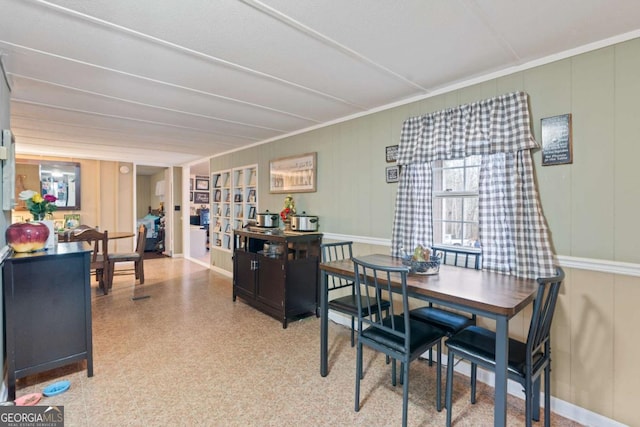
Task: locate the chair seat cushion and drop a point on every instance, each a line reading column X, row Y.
column 480, row 343
column 422, row 335
column 133, row 256
column 448, row 321
column 349, row 305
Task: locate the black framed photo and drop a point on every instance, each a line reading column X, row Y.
column 252, row 196
column 201, row 197
column 252, row 212
column 202, row 184
column 237, row 198
column 393, row 174
column 191, row 196
column 217, row 196
column 391, row 153
column 557, row 148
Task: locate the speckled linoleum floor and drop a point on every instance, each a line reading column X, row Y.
column 189, row 356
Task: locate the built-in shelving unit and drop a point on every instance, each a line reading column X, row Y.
column 221, row 225
column 234, row 203
column 245, row 195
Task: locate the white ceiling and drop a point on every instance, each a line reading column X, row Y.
column 169, row 82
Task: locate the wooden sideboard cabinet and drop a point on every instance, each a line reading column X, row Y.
column 283, row 286
column 47, row 306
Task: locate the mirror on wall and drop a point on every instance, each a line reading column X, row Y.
column 61, row 179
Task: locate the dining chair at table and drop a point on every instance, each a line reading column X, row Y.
column 449, row 321
column 395, row 335
column 136, row 257
column 528, row 361
column 346, row 304
column 100, row 255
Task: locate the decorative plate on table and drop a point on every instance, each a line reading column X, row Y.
column 28, row 399
column 57, row 388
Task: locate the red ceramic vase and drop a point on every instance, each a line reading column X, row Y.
column 27, row 236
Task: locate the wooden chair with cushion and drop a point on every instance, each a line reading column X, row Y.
column 100, row 255
column 396, row 335
column 527, row 360
column 136, row 257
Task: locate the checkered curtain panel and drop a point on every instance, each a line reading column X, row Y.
column 413, row 201
column 513, row 231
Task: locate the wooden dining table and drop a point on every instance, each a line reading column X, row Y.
column 484, row 293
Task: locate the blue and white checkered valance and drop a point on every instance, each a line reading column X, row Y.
column 512, row 228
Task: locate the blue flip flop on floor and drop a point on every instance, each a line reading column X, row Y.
column 57, row 388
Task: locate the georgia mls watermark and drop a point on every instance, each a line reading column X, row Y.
column 31, row 416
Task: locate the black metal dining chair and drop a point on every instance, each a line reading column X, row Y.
column 528, row 361
column 450, row 322
column 396, row 335
column 345, row 304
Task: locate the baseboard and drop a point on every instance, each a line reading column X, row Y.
column 221, row 271
column 558, row 406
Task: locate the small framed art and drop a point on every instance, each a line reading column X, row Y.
column 201, row 197
column 391, row 153
column 393, row 174
column 202, row 184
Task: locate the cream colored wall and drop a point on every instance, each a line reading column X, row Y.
column 143, row 195
column 591, row 207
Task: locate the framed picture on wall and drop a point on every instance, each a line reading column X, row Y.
column 201, row 197
column 191, row 196
column 391, row 153
column 393, row 174
column 191, row 184
column 202, row 184
column 295, row 174
column 557, row 148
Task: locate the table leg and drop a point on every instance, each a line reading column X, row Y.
column 502, row 357
column 324, row 324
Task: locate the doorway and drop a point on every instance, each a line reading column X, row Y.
column 198, row 233
column 153, row 190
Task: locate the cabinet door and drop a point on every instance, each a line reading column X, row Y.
column 244, row 276
column 270, row 289
column 48, row 309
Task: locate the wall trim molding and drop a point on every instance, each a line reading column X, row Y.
column 591, row 264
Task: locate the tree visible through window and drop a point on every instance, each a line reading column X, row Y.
column 455, row 202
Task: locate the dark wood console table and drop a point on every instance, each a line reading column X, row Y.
column 283, row 286
column 47, row 303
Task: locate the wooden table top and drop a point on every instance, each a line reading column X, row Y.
column 110, row 235
column 492, row 292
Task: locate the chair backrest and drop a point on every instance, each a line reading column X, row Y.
column 141, row 241
column 543, row 309
column 373, row 285
column 99, row 240
column 335, row 252
column 459, row 256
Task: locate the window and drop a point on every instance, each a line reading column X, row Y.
column 455, row 202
